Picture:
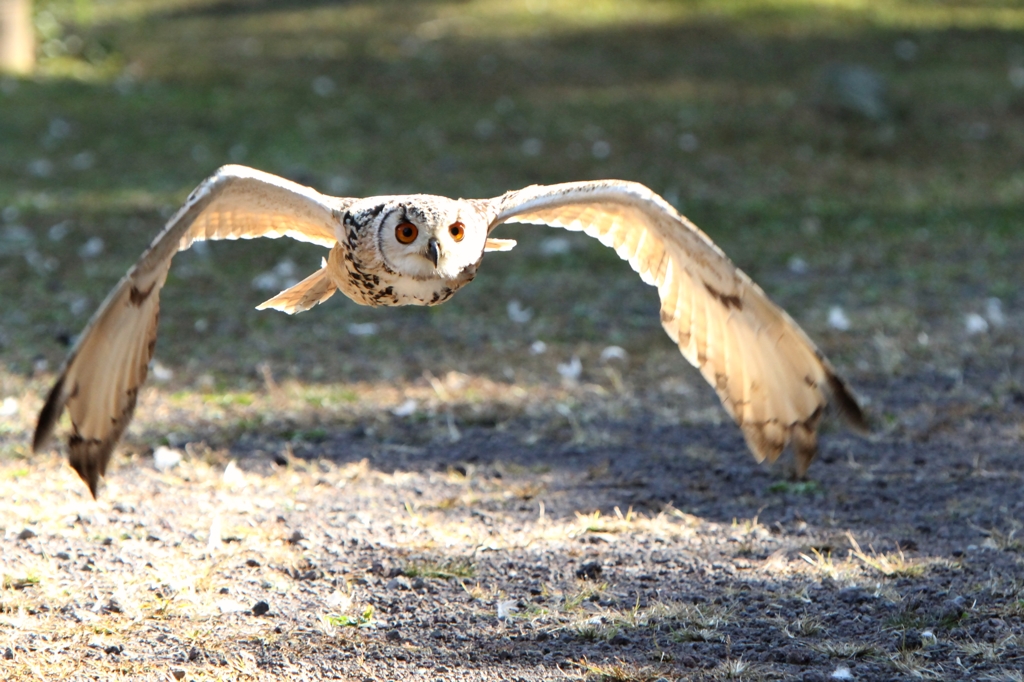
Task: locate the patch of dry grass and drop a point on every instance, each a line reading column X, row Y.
column 891, row 565
column 620, row 671
column 668, row 523
column 836, row 648
column 989, row 651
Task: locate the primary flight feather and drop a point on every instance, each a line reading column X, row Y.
column 419, row 250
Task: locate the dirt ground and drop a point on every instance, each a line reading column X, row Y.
column 532, row 548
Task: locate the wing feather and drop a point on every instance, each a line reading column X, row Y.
column 768, row 374
column 100, row 379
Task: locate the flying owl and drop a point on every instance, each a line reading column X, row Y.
column 420, row 249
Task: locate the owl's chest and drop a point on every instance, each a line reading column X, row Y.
column 374, row 285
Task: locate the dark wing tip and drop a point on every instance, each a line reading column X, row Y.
column 89, row 458
column 49, row 415
column 847, row 404
column 761, row 444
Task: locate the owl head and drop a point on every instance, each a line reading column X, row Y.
column 429, row 237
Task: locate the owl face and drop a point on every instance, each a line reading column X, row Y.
column 428, row 237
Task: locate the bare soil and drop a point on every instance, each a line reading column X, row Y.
column 402, row 547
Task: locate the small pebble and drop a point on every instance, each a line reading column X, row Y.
column 161, row 372
column 260, row 608
column 506, row 608
column 614, row 353
column 394, row 636
column 837, row 319
column 975, row 324
column 92, row 248
column 406, row 409
column 9, row 408
column 994, row 312
column 798, row 266
column 363, row 328
column 178, row 674
column 517, row 313
column 555, row 246
column 233, row 475
column 26, row 534
column 398, row 583
column 571, row 370
column 165, row 458
column 232, row 606
column 910, row 641
column 589, row 571
column 842, row 672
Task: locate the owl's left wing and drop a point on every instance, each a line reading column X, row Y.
column 768, row 374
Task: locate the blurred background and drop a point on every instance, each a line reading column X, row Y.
column 861, row 160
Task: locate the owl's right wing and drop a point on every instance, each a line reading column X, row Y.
column 101, row 376
column 768, row 374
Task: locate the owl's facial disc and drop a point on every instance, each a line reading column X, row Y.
column 426, row 240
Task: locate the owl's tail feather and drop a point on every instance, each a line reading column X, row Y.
column 316, row 288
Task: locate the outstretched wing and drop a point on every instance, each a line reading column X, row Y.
column 769, row 376
column 100, row 379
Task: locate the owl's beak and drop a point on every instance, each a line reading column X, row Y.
column 433, row 251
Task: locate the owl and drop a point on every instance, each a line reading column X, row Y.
column 420, row 249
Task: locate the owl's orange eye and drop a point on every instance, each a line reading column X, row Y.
column 457, row 230
column 406, row 233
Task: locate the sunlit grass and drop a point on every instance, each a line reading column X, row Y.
column 891, row 565
column 503, row 18
column 620, row 671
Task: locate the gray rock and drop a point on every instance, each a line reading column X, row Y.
column 399, row 583
column 910, row 640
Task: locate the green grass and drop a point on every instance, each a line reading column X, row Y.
column 796, row 487
column 362, row 620
column 907, row 223
column 19, row 583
